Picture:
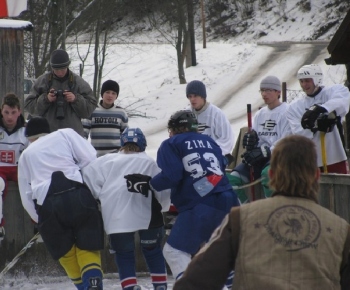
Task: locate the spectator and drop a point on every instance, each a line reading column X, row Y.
column 53, row 194
column 13, row 142
column 126, row 213
column 61, row 96
column 211, row 120
column 107, row 122
column 325, row 106
column 193, row 166
column 268, row 127
column 288, row 241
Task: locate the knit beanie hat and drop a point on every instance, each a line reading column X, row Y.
column 36, row 127
column 196, row 88
column 271, row 82
column 110, row 86
column 59, row 59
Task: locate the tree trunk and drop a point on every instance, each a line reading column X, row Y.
column 203, row 25
column 192, row 41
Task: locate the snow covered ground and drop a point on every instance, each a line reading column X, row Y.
column 231, row 71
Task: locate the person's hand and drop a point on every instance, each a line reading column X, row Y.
column 138, row 183
column 69, row 96
column 256, row 155
column 326, row 122
column 310, row 116
column 51, row 96
column 250, row 140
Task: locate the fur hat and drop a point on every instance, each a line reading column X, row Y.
column 110, row 86
column 196, row 88
column 271, row 82
column 36, row 127
column 59, row 59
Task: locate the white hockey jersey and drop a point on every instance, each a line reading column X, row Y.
column 123, row 211
column 334, row 98
column 271, row 125
column 217, row 126
column 11, row 146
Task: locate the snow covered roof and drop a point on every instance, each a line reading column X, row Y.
column 15, row 24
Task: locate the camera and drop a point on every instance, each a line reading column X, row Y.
column 60, row 104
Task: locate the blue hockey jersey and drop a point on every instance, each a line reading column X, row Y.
column 193, row 167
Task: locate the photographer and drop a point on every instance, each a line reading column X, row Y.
column 61, row 96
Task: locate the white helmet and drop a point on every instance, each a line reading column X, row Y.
column 311, row 71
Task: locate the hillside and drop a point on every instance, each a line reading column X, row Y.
column 236, row 21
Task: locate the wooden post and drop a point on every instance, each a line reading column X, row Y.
column 12, row 57
column 284, row 92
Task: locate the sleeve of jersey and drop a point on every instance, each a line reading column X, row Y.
column 294, row 114
column 224, row 133
column 339, row 98
column 26, row 190
column 171, row 167
column 83, row 152
column 93, row 176
column 87, row 126
column 163, row 196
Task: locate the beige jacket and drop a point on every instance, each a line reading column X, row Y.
column 276, row 243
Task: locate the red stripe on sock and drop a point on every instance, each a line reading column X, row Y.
column 158, row 278
column 128, row 282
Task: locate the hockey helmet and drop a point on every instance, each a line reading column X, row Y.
column 183, row 118
column 311, row 71
column 133, row 135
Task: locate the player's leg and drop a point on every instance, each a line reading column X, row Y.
column 151, row 246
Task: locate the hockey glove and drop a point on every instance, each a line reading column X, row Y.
column 138, row 183
column 310, row 116
column 250, row 140
column 326, row 122
column 256, row 155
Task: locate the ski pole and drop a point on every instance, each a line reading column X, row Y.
column 249, row 117
column 323, row 152
column 15, row 259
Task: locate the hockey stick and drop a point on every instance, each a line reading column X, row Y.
column 15, row 259
column 249, row 117
column 235, row 187
column 323, row 152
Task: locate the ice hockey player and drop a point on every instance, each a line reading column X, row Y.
column 279, row 242
column 53, row 193
column 268, row 127
column 12, row 144
column 193, row 166
column 127, row 213
column 325, row 106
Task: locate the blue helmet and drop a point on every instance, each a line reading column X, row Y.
column 133, row 135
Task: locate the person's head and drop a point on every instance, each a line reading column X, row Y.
column 59, row 62
column 10, row 111
column 133, row 140
column 37, row 127
column 270, row 89
column 196, row 94
column 310, row 78
column 109, row 93
column 182, row 121
column 293, row 167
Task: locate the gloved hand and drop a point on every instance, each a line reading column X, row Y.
column 257, row 154
column 138, row 183
column 326, row 122
column 229, row 159
column 310, row 116
column 250, row 140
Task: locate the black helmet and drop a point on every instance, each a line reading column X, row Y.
column 183, row 119
column 59, row 59
column 37, row 126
